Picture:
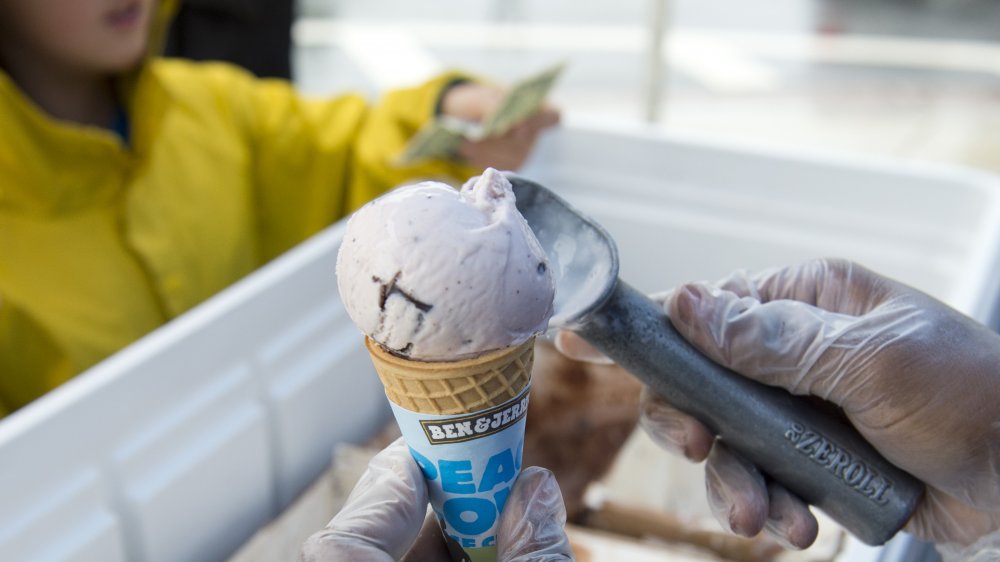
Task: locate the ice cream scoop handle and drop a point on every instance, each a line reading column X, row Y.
column 810, row 450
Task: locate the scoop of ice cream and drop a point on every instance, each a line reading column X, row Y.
column 437, row 274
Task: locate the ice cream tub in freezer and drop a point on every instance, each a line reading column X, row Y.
column 180, row 447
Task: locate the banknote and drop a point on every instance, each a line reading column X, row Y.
column 441, row 137
column 438, row 139
column 522, row 101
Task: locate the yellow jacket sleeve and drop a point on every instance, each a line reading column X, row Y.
column 315, row 161
column 26, row 348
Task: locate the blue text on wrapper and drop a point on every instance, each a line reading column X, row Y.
column 471, row 515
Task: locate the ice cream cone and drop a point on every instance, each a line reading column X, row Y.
column 454, row 387
column 426, row 255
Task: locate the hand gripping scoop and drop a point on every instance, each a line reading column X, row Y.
column 812, row 452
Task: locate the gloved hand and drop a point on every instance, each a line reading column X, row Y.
column 383, row 516
column 919, row 380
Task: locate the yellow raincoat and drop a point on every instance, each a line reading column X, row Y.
column 101, row 242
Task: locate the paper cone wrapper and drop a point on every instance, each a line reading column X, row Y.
column 464, row 423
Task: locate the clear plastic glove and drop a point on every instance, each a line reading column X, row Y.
column 384, row 518
column 471, row 101
column 919, row 380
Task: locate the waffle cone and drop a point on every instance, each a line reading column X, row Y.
column 454, row 387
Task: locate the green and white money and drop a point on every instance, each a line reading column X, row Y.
column 437, row 139
column 522, row 101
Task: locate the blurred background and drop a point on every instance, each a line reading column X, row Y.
column 915, row 79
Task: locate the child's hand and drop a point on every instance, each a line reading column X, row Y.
column 473, row 102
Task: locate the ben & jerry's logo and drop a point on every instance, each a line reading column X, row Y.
column 474, row 426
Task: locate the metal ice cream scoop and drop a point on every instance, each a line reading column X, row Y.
column 818, row 456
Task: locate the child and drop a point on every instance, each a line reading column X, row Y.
column 133, row 188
